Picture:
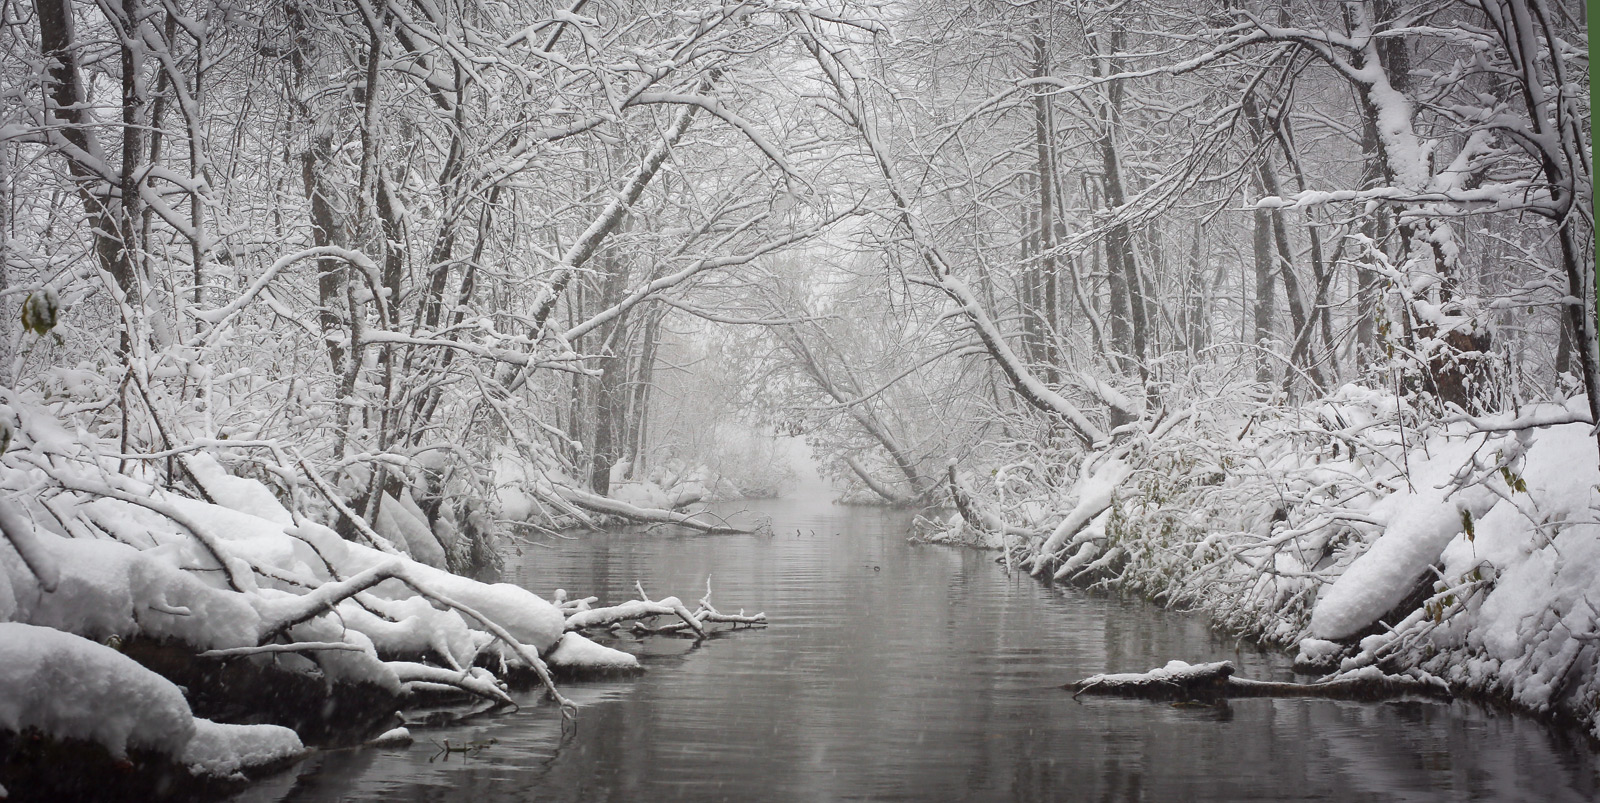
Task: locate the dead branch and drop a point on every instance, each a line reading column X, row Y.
column 1214, row 681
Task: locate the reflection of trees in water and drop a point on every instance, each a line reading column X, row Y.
column 933, row 678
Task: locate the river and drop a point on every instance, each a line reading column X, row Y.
column 896, row 671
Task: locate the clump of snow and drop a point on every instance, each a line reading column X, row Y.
column 394, row 737
column 223, row 751
column 409, row 532
column 236, row 493
column 107, row 588
column 73, row 688
column 1315, row 652
column 576, row 652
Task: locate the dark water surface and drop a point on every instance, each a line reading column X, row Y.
column 895, row 671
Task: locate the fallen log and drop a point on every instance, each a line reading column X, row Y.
column 616, row 507
column 1179, row 681
column 583, row 617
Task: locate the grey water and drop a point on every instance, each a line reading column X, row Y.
column 897, row 671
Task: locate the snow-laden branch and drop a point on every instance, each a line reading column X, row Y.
column 236, row 570
column 279, row 615
column 602, row 224
column 19, row 532
column 723, row 113
column 652, row 288
column 219, row 316
column 617, row 507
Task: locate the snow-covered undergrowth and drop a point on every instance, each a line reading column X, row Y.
column 95, row 557
column 128, row 606
column 1355, row 528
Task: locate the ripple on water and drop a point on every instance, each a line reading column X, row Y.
column 902, row 672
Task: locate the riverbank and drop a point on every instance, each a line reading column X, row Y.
column 1355, row 533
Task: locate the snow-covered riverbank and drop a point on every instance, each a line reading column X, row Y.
column 133, row 613
column 1352, row 531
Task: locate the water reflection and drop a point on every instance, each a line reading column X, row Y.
column 899, row 672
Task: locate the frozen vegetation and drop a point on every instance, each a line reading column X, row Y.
column 107, row 570
column 311, row 311
column 1352, row 530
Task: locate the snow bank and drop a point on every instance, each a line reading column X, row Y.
column 1310, row 525
column 135, row 560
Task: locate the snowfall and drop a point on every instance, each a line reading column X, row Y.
column 1467, row 551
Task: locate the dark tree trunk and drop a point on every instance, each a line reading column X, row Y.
column 1262, row 250
column 65, row 108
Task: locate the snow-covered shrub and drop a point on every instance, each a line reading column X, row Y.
column 1356, row 528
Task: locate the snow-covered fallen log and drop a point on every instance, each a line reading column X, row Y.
column 1175, row 681
column 586, row 618
column 1214, row 681
column 616, row 507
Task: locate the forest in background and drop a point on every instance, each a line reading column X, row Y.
column 1282, row 311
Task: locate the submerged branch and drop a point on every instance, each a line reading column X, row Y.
column 1214, row 681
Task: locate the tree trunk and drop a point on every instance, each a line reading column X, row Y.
column 1262, row 249
column 65, row 110
column 1042, row 274
column 609, row 401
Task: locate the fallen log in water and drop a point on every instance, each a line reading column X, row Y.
column 1180, row 681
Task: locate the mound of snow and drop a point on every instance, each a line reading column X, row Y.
column 1419, row 523
column 394, row 737
column 576, row 652
column 71, row 688
column 223, row 751
column 236, row 493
